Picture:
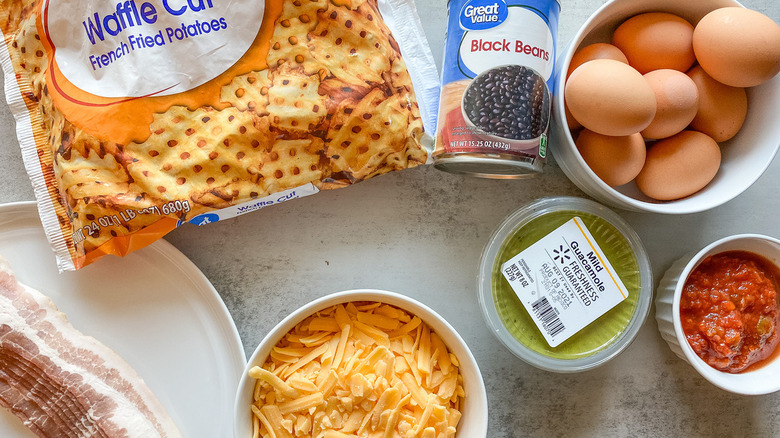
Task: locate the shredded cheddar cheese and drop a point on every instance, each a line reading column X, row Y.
column 360, row 370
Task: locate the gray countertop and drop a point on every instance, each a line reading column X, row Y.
column 420, row 232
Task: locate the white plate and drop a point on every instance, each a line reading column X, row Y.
column 154, row 308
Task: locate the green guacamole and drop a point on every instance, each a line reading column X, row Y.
column 599, row 334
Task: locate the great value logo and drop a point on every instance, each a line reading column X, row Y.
column 522, row 37
column 483, row 14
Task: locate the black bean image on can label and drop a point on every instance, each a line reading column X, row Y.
column 510, row 101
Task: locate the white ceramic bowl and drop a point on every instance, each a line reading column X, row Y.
column 473, row 423
column 763, row 380
column 744, row 158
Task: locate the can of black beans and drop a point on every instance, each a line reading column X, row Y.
column 497, row 85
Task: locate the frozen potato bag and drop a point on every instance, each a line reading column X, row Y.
column 138, row 116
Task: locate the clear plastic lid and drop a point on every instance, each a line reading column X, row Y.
column 601, row 340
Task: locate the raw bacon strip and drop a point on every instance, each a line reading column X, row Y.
column 64, row 384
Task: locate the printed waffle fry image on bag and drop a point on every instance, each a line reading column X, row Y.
column 135, row 117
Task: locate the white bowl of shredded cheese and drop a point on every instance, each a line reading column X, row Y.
column 357, row 363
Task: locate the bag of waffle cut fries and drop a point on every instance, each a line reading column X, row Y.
column 137, row 116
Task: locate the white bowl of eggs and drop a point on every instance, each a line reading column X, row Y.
column 668, row 106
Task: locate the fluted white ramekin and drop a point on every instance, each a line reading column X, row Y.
column 763, row 380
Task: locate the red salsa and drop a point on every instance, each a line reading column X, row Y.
column 729, row 310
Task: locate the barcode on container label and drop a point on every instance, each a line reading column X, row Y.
column 564, row 281
column 549, row 317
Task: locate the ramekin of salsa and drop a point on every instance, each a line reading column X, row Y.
column 719, row 310
column 729, row 310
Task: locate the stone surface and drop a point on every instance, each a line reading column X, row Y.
column 421, row 232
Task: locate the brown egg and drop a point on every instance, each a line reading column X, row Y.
column 609, row 97
column 571, row 122
column 679, row 166
column 722, row 109
column 585, row 54
column 737, row 46
column 616, row 160
column 595, row 51
column 677, row 101
column 656, row 40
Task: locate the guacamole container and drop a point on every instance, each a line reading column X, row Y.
column 549, row 263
